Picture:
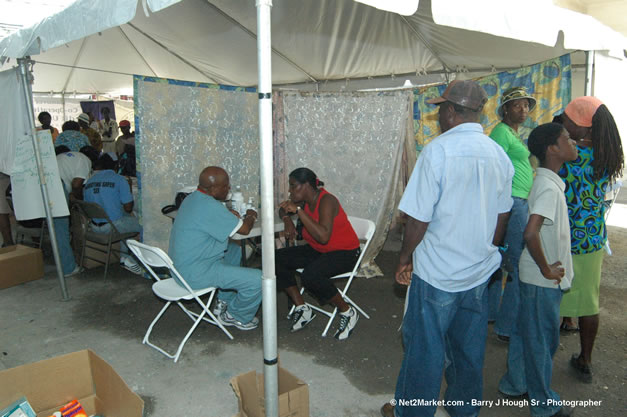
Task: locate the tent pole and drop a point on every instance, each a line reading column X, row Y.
column 26, row 79
column 264, row 90
column 589, row 72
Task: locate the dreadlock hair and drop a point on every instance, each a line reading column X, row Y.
column 606, row 145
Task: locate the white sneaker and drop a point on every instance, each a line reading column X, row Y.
column 219, row 308
column 302, row 316
column 77, row 270
column 227, row 320
column 131, row 265
column 348, row 321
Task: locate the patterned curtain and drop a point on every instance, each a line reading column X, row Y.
column 182, row 127
column 549, row 82
column 354, row 142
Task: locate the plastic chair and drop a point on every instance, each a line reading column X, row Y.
column 170, row 291
column 91, row 211
column 364, row 229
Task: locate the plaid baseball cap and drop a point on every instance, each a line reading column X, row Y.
column 466, row 93
column 516, row 93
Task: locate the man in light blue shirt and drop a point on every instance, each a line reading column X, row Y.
column 113, row 193
column 458, row 202
column 203, row 254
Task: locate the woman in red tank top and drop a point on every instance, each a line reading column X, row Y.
column 332, row 248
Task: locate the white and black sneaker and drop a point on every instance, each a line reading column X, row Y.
column 302, row 316
column 227, row 320
column 348, row 321
column 219, row 308
column 131, row 265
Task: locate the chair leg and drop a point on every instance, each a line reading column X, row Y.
column 328, row 326
column 107, row 260
column 83, row 250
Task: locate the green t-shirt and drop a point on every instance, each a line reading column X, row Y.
column 518, row 153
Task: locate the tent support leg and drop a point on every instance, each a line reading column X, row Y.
column 589, row 72
column 264, row 71
column 26, row 80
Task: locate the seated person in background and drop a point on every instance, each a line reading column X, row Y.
column 113, row 193
column 202, row 253
column 94, row 137
column 332, row 248
column 126, row 138
column 74, row 169
column 72, row 137
column 45, row 119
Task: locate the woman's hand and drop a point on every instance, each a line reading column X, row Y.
column 290, row 229
column 289, row 206
column 554, row 272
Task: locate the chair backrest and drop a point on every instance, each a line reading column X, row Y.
column 364, row 229
column 91, row 210
column 153, row 257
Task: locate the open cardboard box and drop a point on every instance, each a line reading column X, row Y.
column 293, row 395
column 20, row 264
column 83, row 375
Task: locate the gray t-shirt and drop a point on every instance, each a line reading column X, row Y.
column 547, row 200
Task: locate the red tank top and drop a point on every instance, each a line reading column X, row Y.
column 343, row 237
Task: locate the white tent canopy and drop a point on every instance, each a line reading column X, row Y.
column 313, row 41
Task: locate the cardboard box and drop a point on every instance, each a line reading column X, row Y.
column 20, row 264
column 293, row 395
column 83, row 375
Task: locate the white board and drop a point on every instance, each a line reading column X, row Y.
column 27, row 199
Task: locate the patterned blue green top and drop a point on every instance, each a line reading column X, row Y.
column 72, row 139
column 584, row 198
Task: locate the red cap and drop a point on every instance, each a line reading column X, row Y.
column 125, row 123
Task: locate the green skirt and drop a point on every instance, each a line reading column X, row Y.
column 582, row 299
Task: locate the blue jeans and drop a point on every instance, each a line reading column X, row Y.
column 442, row 329
column 506, row 313
column 239, row 287
column 533, row 343
column 124, row 224
column 62, row 234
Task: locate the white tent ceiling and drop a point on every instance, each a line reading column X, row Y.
column 313, row 41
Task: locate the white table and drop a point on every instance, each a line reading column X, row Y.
column 254, row 232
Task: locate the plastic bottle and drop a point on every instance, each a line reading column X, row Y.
column 237, row 201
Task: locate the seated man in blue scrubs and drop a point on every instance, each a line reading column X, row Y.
column 113, row 193
column 203, row 254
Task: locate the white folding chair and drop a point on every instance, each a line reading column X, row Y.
column 364, row 229
column 170, row 291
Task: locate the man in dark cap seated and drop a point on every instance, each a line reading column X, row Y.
column 203, row 254
column 457, row 203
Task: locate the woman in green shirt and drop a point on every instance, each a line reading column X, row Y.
column 515, row 106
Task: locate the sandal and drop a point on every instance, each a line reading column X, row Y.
column 565, row 327
column 583, row 372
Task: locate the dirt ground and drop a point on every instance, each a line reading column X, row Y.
column 346, row 379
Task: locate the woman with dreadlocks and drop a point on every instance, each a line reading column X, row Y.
column 599, row 164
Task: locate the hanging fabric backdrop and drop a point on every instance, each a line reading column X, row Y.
column 354, row 142
column 549, row 81
column 182, row 127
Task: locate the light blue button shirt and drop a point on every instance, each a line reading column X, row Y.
column 461, row 182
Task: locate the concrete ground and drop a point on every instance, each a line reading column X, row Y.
column 351, row 378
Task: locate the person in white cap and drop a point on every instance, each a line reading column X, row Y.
column 94, row 137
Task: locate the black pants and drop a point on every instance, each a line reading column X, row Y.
column 318, row 269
